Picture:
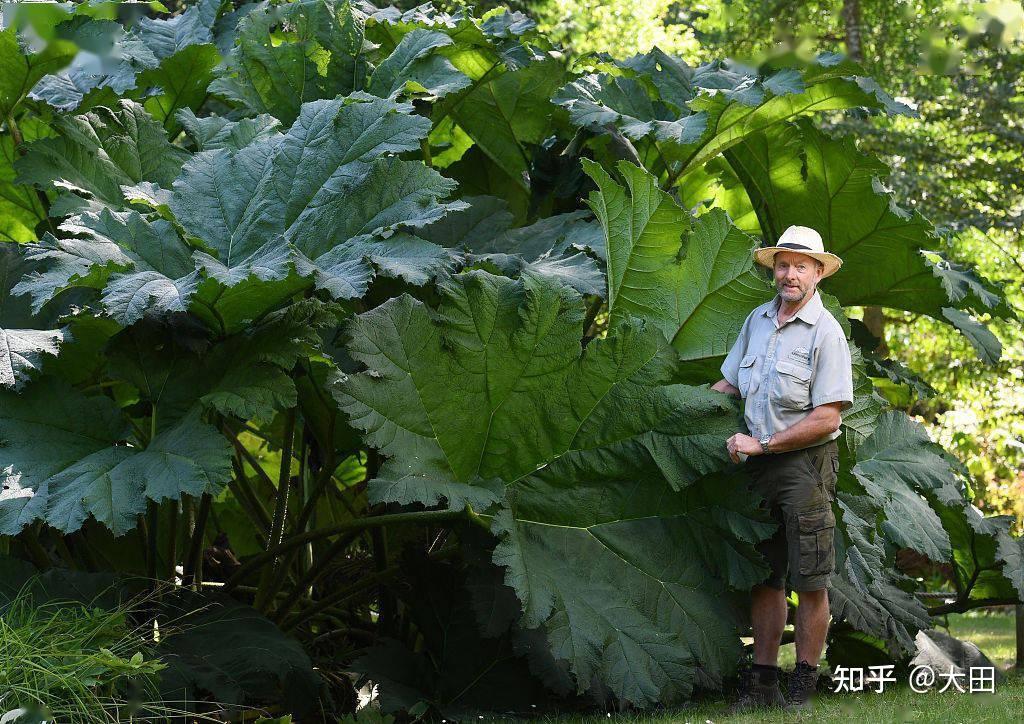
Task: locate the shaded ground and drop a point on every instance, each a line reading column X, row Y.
column 993, row 633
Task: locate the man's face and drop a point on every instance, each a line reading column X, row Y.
column 796, row 275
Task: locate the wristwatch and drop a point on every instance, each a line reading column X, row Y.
column 764, row 443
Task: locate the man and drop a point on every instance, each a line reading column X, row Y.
column 791, row 365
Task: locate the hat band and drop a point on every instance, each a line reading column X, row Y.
column 789, row 245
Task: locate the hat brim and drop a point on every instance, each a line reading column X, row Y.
column 766, row 257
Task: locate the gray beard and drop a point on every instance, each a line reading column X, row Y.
column 779, row 289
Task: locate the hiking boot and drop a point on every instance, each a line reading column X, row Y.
column 758, row 689
column 802, row 684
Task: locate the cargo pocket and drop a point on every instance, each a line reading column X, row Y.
column 817, row 529
column 745, row 374
column 792, row 385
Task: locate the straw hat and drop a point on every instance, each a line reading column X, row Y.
column 803, row 240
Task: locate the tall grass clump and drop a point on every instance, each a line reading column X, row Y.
column 70, row 661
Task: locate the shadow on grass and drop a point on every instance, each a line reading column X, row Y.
column 993, row 633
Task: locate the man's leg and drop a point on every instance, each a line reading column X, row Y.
column 768, row 614
column 768, row 611
column 812, row 618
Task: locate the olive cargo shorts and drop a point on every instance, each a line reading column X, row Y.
column 799, row 487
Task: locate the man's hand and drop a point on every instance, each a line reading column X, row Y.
column 740, row 443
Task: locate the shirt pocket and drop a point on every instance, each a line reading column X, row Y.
column 792, row 385
column 746, row 374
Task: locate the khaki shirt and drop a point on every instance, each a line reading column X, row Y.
column 784, row 372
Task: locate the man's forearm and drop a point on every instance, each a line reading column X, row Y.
column 724, row 386
column 822, row 421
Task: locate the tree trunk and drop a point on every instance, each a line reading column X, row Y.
column 852, row 25
column 874, row 319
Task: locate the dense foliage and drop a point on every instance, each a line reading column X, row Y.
column 394, row 331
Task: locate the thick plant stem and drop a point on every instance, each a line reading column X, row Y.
column 338, row 597
column 379, row 542
column 283, row 481
column 152, row 513
column 248, row 499
column 30, row 539
column 280, row 511
column 194, row 560
column 963, row 605
column 172, row 542
column 253, row 463
column 61, row 546
column 356, row 589
column 313, row 574
column 19, row 144
column 311, row 495
column 143, row 529
column 317, row 489
column 81, row 546
column 427, row 517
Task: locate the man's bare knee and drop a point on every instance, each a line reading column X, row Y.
column 813, row 597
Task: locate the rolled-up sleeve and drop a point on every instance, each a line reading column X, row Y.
column 833, row 373
column 731, row 366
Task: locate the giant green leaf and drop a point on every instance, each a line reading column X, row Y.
column 898, row 466
column 19, row 71
column 629, row 581
column 228, row 649
column 460, row 412
column 505, row 108
column 144, row 268
column 508, row 114
column 445, row 396
column 66, row 456
column 100, row 151
column 317, row 201
column 20, row 206
column 21, row 350
column 794, row 174
column 562, row 246
column 986, row 559
column 174, row 55
column 867, row 591
column 321, row 57
column 180, row 81
column 245, row 375
column 698, row 113
column 194, row 26
column 413, row 62
column 693, row 278
column 212, row 132
column 104, row 68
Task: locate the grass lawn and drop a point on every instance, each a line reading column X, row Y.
column 992, row 632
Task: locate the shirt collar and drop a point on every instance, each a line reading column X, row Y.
column 809, row 312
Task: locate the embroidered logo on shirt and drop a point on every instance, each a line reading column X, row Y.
column 802, row 354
